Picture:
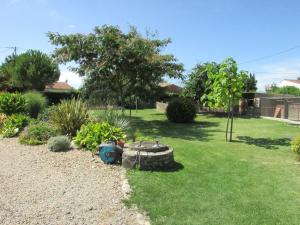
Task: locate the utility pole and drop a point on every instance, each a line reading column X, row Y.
column 14, row 48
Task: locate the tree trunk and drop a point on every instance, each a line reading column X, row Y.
column 228, row 117
column 136, row 104
column 232, row 114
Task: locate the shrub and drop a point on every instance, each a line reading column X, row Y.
column 59, row 143
column 45, row 114
column 181, row 110
column 92, row 134
column 37, row 133
column 295, row 145
column 114, row 117
column 12, row 103
column 69, row 116
column 35, row 103
column 13, row 125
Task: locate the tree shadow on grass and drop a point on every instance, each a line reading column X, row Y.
column 268, row 143
column 172, row 167
column 163, row 128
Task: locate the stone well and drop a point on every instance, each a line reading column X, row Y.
column 147, row 155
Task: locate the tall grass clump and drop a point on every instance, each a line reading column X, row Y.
column 69, row 116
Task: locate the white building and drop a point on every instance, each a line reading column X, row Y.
column 294, row 83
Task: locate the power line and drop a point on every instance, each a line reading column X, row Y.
column 272, row 55
column 14, row 48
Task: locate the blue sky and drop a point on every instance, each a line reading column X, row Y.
column 200, row 30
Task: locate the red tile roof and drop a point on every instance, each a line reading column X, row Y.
column 59, row 86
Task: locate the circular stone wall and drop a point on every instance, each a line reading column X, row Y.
column 147, row 160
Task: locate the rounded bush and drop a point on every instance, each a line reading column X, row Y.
column 181, row 110
column 59, row 143
column 35, row 103
column 295, row 145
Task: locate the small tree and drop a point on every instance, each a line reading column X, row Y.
column 226, row 87
column 32, row 70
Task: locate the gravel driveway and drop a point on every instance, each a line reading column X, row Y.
column 42, row 187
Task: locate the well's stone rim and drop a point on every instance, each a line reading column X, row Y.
column 147, row 146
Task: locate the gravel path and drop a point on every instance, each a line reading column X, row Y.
column 42, row 187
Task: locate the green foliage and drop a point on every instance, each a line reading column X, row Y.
column 198, row 83
column 288, row 90
column 12, row 103
column 114, row 117
column 35, row 103
column 44, row 115
column 226, row 88
column 32, row 70
column 226, row 84
column 13, row 125
column 69, row 116
column 295, row 145
column 115, row 64
column 90, row 136
column 181, row 110
column 37, row 133
column 59, row 143
column 250, row 83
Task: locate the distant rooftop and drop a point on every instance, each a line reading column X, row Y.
column 293, row 81
column 171, row 87
column 58, row 87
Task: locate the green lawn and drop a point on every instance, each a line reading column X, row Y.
column 254, row 180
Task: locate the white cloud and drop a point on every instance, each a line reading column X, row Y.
column 73, row 78
column 274, row 73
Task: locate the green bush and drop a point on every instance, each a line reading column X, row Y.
column 37, row 133
column 12, row 103
column 13, row 125
column 91, row 135
column 295, row 145
column 35, row 103
column 45, row 114
column 181, row 110
column 59, row 143
column 69, row 116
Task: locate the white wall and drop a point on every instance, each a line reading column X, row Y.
column 288, row 83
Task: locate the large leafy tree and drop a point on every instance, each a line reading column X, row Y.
column 117, row 65
column 226, row 88
column 32, row 70
column 250, row 83
column 197, row 83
